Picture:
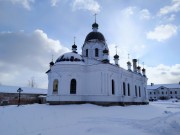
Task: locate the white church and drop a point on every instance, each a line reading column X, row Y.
column 91, row 78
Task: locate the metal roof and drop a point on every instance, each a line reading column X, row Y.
column 170, row 86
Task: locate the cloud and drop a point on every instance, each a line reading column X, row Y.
column 174, row 7
column 24, row 3
column 54, row 3
column 169, row 18
column 162, row 74
column 162, row 32
column 128, row 11
column 145, row 14
column 142, row 14
column 23, row 55
column 91, row 5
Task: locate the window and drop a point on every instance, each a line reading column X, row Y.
column 154, row 93
column 162, row 88
column 124, row 88
column 136, row 90
column 86, row 52
column 175, row 92
column 55, row 86
column 139, row 91
column 73, row 87
column 170, row 92
column 162, row 92
column 166, row 92
column 128, row 89
column 96, row 52
column 150, row 93
column 112, row 87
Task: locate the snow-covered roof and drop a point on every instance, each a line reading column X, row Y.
column 170, row 86
column 70, row 57
column 27, row 90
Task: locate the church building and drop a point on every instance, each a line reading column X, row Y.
column 91, row 78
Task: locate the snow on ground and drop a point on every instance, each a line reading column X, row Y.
column 157, row 118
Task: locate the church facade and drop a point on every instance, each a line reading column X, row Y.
column 90, row 77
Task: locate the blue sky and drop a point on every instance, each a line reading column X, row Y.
column 32, row 30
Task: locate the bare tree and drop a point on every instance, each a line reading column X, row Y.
column 32, row 83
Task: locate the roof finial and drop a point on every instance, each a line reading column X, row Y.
column 52, row 57
column 128, row 56
column 143, row 64
column 95, row 17
column 116, row 49
column 74, row 40
column 138, row 61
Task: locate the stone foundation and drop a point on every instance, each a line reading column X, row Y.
column 97, row 103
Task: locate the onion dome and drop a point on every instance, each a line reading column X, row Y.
column 128, row 63
column 95, row 34
column 51, row 63
column 144, row 72
column 116, row 56
column 95, row 25
column 138, row 67
column 70, row 57
column 74, row 48
column 105, row 51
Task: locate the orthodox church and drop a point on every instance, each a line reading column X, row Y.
column 91, row 78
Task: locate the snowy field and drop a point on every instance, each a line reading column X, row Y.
column 157, row 118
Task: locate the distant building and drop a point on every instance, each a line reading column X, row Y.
column 90, row 77
column 9, row 95
column 163, row 91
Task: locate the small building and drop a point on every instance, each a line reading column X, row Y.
column 163, row 91
column 9, row 95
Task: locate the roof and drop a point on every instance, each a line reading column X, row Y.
column 170, row 86
column 26, row 90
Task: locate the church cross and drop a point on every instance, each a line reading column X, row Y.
column 52, row 57
column 138, row 61
column 74, row 39
column 95, row 17
column 116, row 49
column 143, row 64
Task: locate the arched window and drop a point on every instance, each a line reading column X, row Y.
column 73, row 86
column 86, row 52
column 136, row 90
column 139, row 91
column 128, row 89
column 112, row 87
column 124, row 88
column 55, row 86
column 96, row 52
